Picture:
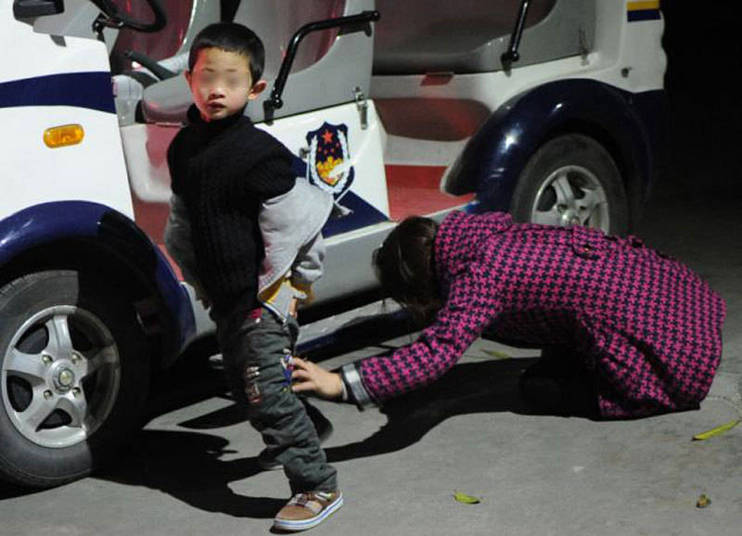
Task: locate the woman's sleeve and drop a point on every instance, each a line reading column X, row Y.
column 471, row 306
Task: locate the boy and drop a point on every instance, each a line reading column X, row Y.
column 233, row 181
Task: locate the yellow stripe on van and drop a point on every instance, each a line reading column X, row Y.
column 647, row 4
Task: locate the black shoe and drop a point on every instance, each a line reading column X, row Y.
column 542, row 393
column 563, row 394
column 555, row 382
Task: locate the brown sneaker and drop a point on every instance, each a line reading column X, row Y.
column 307, row 510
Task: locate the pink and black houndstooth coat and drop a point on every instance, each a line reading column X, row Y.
column 646, row 324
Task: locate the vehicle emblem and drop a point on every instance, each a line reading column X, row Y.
column 328, row 160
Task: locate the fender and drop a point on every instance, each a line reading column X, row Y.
column 47, row 223
column 494, row 157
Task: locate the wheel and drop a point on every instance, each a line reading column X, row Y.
column 572, row 180
column 73, row 376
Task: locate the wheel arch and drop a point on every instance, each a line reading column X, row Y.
column 494, row 157
column 88, row 236
column 631, row 173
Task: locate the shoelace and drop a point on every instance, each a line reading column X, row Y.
column 309, row 500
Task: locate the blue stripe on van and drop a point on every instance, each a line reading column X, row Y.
column 92, row 90
column 362, row 214
column 643, row 14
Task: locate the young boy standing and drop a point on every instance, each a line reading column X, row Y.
column 225, row 170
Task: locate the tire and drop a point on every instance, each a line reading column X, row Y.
column 73, row 376
column 572, row 180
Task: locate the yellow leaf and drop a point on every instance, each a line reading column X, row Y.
column 497, row 354
column 716, row 431
column 703, row 501
column 464, row 498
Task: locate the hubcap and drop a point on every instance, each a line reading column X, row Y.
column 572, row 195
column 60, row 376
column 64, row 379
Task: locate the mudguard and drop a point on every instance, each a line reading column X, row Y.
column 494, row 157
column 112, row 232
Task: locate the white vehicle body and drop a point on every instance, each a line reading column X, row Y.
column 32, row 172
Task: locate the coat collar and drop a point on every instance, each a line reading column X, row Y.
column 215, row 127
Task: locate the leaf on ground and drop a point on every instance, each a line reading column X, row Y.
column 703, row 501
column 497, row 354
column 464, row 498
column 716, row 431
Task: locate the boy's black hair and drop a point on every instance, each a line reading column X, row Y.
column 231, row 37
column 405, row 266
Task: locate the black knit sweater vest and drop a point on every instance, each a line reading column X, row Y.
column 223, row 170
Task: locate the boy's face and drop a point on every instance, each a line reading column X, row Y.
column 221, row 83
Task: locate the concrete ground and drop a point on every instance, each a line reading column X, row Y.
column 193, row 470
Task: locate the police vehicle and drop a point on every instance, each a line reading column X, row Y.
column 546, row 108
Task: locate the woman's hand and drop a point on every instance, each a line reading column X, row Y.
column 308, row 377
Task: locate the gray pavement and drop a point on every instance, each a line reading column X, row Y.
column 192, row 470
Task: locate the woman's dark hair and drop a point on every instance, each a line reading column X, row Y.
column 231, row 37
column 405, row 266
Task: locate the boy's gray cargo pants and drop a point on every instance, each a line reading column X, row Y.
column 257, row 348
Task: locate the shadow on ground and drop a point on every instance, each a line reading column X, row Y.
column 468, row 388
column 187, row 465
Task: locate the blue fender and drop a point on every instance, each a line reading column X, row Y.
column 47, row 223
column 627, row 123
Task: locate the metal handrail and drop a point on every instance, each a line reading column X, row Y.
column 351, row 23
column 512, row 55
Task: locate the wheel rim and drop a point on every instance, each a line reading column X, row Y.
column 572, row 195
column 60, row 376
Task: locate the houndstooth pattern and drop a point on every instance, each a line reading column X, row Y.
column 645, row 323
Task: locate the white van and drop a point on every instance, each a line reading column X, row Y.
column 550, row 109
